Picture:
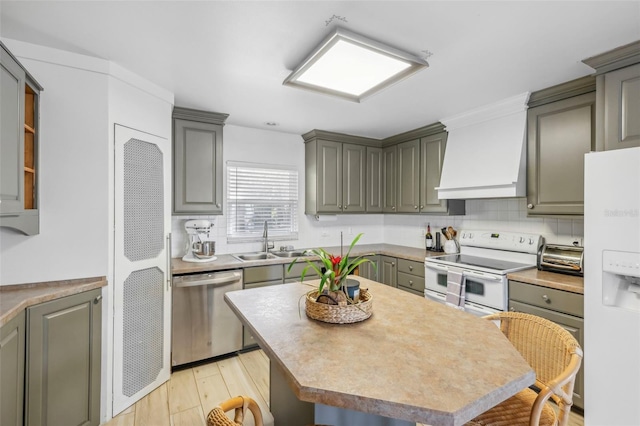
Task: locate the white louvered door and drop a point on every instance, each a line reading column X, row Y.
column 142, row 271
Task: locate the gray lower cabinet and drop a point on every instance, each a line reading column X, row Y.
column 374, row 181
column 411, row 276
column 559, row 134
column 562, row 307
column 256, row 277
column 387, row 271
column 368, row 270
column 63, row 361
column 197, row 161
column 19, row 138
column 12, row 347
column 294, row 275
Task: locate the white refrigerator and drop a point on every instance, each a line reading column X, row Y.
column 612, row 288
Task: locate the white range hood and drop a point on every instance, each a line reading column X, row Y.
column 486, row 152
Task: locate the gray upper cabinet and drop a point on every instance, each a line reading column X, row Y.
column 559, row 134
column 12, row 347
column 19, row 127
column 389, row 179
column 336, row 173
column 622, row 108
column 197, row 161
column 420, row 154
column 408, row 190
column 63, row 361
column 374, row 180
column 618, row 101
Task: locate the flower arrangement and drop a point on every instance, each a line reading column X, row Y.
column 333, row 272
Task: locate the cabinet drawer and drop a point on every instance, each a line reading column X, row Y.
column 297, row 268
column 411, row 267
column 547, row 298
column 410, row 281
column 261, row 284
column 263, row 273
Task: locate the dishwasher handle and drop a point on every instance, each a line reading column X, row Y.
column 217, row 280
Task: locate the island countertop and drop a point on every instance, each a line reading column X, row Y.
column 414, row 359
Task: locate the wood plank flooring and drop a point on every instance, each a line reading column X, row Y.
column 189, row 395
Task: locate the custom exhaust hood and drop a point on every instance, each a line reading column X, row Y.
column 486, row 152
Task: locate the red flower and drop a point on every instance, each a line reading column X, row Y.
column 335, row 261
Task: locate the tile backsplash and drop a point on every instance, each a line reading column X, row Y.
column 509, row 214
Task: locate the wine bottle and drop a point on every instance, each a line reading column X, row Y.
column 429, row 238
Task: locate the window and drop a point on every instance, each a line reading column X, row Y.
column 257, row 193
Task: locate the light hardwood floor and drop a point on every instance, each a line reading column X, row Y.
column 189, row 395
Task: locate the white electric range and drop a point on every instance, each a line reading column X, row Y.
column 485, row 259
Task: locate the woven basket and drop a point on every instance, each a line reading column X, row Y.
column 337, row 314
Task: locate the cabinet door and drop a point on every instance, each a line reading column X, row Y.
column 12, row 84
column 389, row 179
column 573, row 325
column 622, row 108
column 353, row 178
column 409, row 177
column 12, row 338
column 329, row 176
column 368, row 270
column 388, row 270
column 197, row 167
column 63, row 361
column 559, row 134
column 431, row 158
column 374, row 179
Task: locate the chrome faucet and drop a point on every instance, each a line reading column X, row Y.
column 265, row 236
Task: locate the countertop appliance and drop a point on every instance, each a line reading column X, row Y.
column 203, row 326
column 200, row 248
column 561, row 258
column 485, row 259
column 612, row 287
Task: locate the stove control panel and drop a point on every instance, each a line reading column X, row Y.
column 511, row 241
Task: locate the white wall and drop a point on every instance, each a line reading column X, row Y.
column 73, row 176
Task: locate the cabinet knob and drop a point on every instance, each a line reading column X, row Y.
column 546, row 298
column 393, row 207
column 529, row 206
column 97, row 299
column 512, row 309
column 415, row 207
column 218, row 205
column 339, row 206
column 411, row 283
column 421, row 207
column 410, row 267
column 345, row 207
column 393, row 263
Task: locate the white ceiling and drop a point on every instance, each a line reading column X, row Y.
column 232, row 56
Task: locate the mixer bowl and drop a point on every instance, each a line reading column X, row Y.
column 203, row 249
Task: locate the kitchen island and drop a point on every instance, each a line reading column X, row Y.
column 413, row 361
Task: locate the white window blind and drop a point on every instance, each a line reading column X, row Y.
column 257, row 193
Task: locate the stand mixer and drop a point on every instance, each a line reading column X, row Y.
column 200, row 249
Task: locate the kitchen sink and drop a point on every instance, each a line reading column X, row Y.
column 254, row 256
column 295, row 253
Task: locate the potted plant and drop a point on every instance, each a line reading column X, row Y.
column 333, row 273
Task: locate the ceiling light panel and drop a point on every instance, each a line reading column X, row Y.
column 353, row 67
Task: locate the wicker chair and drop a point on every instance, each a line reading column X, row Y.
column 555, row 356
column 217, row 416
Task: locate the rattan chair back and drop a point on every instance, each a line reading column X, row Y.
column 555, row 356
column 240, row 404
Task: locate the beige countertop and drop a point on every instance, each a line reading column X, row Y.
column 414, row 359
column 16, row 298
column 227, row 261
column 564, row 282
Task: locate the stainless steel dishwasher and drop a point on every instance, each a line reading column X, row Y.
column 203, row 325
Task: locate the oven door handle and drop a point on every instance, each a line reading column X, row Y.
column 436, row 267
column 481, row 276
